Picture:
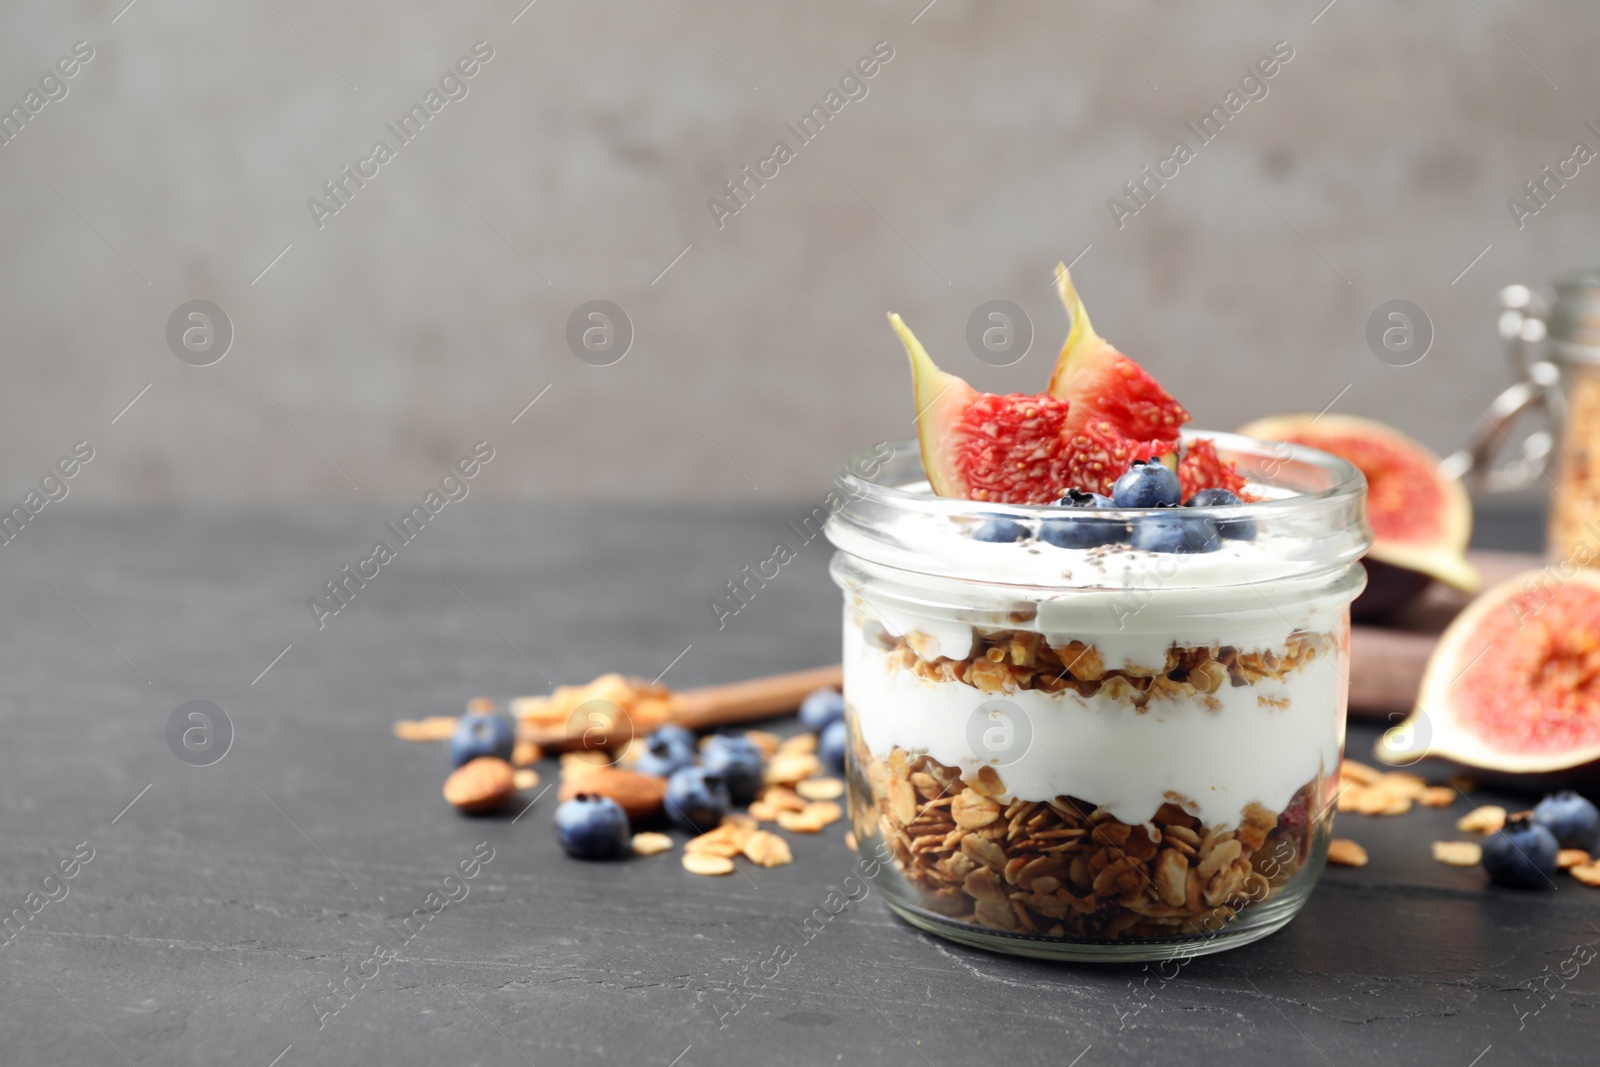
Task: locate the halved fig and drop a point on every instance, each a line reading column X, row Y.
column 1421, row 521
column 1514, row 684
column 1013, row 449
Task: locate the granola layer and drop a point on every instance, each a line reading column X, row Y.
column 1006, row 661
column 1064, row 867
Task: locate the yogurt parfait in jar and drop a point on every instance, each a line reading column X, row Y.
column 1094, row 664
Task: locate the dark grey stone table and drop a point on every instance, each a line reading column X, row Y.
column 224, row 905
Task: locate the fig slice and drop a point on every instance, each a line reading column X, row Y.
column 1514, row 684
column 1103, row 385
column 1010, row 449
column 1421, row 521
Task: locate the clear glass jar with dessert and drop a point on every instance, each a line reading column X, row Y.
column 1098, row 752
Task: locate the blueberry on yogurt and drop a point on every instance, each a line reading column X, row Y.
column 1232, row 529
column 1147, row 484
column 1168, row 529
column 1000, row 531
column 1087, row 531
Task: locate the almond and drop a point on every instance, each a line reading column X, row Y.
column 481, row 785
column 640, row 795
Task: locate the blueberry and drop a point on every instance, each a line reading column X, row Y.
column 1523, row 855
column 820, row 707
column 1574, row 821
column 592, row 828
column 663, row 755
column 1233, row 529
column 482, row 735
column 1087, row 532
column 1148, row 484
column 678, row 735
column 1000, row 530
column 738, row 762
column 831, row 745
column 696, row 800
column 1214, row 498
column 1169, row 530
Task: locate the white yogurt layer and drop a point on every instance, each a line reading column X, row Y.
column 1103, row 750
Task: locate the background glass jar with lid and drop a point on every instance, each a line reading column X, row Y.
column 1555, row 347
column 1098, row 753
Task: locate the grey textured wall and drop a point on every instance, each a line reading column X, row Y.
column 431, row 308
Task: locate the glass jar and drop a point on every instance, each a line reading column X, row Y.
column 1554, row 347
column 1574, row 348
column 1101, row 753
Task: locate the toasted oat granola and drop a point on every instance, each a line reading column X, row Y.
column 1064, row 867
column 1343, row 852
column 1458, row 853
column 1004, row 661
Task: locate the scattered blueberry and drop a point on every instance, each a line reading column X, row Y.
column 1169, row 530
column 1233, row 529
column 1523, row 855
column 696, row 800
column 831, row 745
column 1149, row 483
column 663, row 755
column 738, row 762
column 482, row 735
column 1574, row 821
column 820, row 707
column 592, row 828
column 678, row 735
column 1000, row 530
column 1087, row 532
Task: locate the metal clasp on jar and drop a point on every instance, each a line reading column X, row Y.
column 1522, row 327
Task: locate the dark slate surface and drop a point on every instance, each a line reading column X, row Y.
column 222, row 907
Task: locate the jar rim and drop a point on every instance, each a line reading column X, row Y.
column 1313, row 500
